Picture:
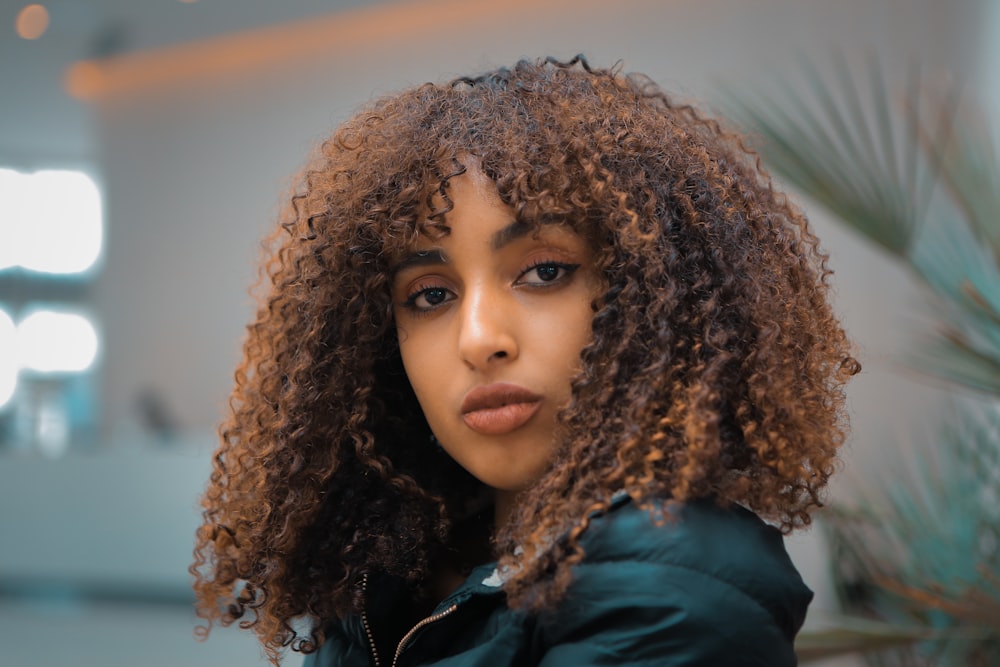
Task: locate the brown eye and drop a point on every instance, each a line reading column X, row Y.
column 547, row 273
column 435, row 296
column 428, row 298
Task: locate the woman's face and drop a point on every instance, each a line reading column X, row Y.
column 491, row 320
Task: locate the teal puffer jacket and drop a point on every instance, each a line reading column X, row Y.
column 715, row 588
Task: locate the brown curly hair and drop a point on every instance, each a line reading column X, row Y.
column 716, row 365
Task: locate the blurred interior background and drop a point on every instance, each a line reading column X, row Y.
column 145, row 147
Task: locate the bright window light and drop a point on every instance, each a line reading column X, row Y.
column 56, row 342
column 8, row 358
column 10, row 211
column 50, row 221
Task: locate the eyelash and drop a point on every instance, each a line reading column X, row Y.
column 567, row 270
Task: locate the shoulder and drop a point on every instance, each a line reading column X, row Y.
column 705, row 585
column 729, row 545
column 338, row 650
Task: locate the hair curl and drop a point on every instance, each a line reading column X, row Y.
column 716, row 366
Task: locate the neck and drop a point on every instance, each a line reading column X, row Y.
column 504, row 504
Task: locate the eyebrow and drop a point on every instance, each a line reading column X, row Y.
column 435, row 256
column 431, row 257
column 512, row 232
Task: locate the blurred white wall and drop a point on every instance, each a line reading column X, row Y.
column 195, row 169
column 989, row 70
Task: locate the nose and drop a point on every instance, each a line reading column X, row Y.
column 487, row 335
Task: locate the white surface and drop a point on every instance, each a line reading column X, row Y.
column 125, row 518
column 111, row 635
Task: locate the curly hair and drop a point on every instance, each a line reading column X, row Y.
column 716, row 365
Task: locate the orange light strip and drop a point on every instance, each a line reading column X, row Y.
column 253, row 50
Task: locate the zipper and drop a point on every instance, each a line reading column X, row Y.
column 406, row 638
column 427, row 621
column 364, row 621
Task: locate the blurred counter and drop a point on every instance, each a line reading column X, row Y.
column 116, row 524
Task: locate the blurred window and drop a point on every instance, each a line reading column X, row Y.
column 51, row 234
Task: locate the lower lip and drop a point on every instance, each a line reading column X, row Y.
column 497, row 421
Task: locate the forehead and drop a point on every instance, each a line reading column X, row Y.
column 465, row 189
column 439, row 249
column 469, row 201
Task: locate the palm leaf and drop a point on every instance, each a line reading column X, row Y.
column 846, row 634
column 921, row 549
column 963, row 273
column 954, row 358
column 849, row 157
column 918, row 555
column 874, row 165
column 971, row 173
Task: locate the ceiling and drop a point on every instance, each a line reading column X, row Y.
column 41, row 125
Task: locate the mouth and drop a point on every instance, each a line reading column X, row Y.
column 499, row 408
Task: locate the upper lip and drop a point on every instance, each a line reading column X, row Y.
column 497, row 395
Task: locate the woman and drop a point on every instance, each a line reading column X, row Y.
column 541, row 354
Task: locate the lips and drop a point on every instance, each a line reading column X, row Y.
column 499, row 408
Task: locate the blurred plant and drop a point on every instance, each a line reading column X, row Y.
column 923, row 552
column 917, row 562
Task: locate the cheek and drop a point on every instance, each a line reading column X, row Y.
column 408, row 354
column 418, row 364
column 571, row 326
column 403, row 342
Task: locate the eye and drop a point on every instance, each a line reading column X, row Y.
column 547, row 273
column 428, row 298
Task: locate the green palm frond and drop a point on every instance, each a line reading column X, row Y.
column 916, row 557
column 971, row 172
column 877, row 166
column 862, row 161
column 923, row 550
column 962, row 272
column 954, row 358
column 846, row 634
